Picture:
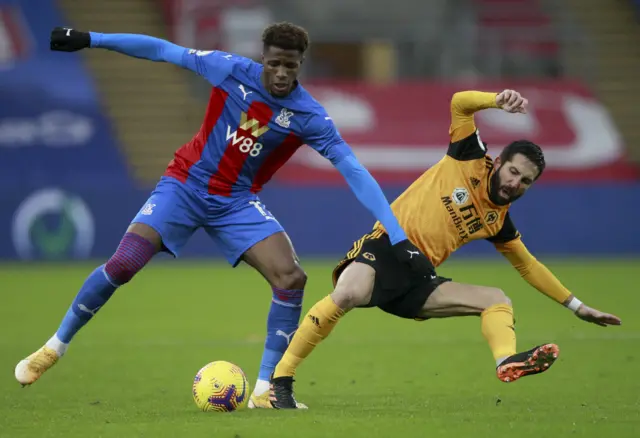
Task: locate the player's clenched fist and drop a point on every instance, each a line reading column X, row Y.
column 64, row 39
column 512, row 102
column 409, row 254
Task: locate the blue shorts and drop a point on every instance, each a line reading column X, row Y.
column 235, row 224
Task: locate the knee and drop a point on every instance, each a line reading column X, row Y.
column 119, row 270
column 291, row 277
column 133, row 253
column 494, row 297
column 122, row 268
column 355, row 286
column 350, row 295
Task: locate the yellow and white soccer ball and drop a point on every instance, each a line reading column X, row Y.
column 220, row 386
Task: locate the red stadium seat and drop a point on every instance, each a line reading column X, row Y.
column 523, row 25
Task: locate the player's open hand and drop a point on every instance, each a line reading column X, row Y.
column 409, row 254
column 512, row 102
column 64, row 39
column 595, row 316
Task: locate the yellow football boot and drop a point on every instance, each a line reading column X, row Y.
column 30, row 369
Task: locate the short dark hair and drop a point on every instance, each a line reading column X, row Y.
column 532, row 151
column 286, row 36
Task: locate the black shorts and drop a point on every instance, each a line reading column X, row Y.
column 397, row 289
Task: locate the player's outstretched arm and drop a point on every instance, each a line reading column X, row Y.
column 464, row 104
column 540, row 277
column 369, row 193
column 137, row 46
column 322, row 136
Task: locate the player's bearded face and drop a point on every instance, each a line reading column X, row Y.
column 281, row 68
column 511, row 179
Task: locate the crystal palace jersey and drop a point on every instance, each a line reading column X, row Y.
column 248, row 134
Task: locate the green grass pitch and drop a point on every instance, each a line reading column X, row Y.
column 129, row 372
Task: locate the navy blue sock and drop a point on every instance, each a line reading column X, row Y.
column 132, row 254
column 282, row 324
column 95, row 291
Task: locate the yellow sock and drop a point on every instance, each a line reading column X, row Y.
column 498, row 329
column 316, row 325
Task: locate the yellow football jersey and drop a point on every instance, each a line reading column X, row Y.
column 448, row 205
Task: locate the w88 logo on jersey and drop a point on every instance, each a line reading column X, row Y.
column 245, row 143
column 246, row 140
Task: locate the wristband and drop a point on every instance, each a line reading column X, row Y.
column 574, row 304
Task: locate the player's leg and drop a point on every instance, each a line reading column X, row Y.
column 369, row 276
column 250, row 233
column 497, row 325
column 354, row 288
column 138, row 245
column 275, row 258
column 156, row 226
column 136, row 248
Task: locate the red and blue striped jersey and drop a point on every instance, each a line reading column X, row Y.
column 247, row 133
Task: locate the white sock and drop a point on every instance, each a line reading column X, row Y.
column 261, row 387
column 500, row 360
column 56, row 344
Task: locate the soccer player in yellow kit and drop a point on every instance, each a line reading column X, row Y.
column 464, row 197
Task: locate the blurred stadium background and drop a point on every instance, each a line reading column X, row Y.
column 85, row 136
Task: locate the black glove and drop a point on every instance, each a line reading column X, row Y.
column 64, row 39
column 409, row 254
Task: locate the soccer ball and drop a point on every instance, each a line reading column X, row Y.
column 220, row 386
